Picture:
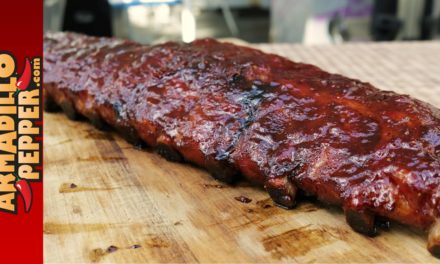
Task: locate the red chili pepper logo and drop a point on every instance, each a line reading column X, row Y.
column 25, row 78
column 24, row 188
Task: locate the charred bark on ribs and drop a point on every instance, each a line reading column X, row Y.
column 238, row 111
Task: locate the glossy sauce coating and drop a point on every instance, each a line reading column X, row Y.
column 238, row 111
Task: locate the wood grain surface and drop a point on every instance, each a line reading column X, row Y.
column 108, row 202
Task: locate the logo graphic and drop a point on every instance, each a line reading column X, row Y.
column 20, row 130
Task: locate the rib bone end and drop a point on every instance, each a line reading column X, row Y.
column 69, row 109
column 361, row 221
column 168, row 153
column 50, row 105
column 434, row 239
column 282, row 191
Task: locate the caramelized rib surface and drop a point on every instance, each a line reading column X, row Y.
column 238, row 111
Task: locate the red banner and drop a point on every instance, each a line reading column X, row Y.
column 21, row 188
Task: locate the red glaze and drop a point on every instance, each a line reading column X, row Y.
column 238, row 111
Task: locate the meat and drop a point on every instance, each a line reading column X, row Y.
column 238, row 112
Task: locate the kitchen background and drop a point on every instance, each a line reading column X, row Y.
column 255, row 21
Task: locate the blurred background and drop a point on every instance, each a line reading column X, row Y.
column 254, row 21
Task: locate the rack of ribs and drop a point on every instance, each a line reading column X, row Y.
column 241, row 113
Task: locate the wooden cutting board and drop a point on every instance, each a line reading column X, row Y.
column 106, row 201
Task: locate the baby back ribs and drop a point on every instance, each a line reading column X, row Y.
column 237, row 111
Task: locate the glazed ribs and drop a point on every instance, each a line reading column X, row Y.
column 239, row 112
